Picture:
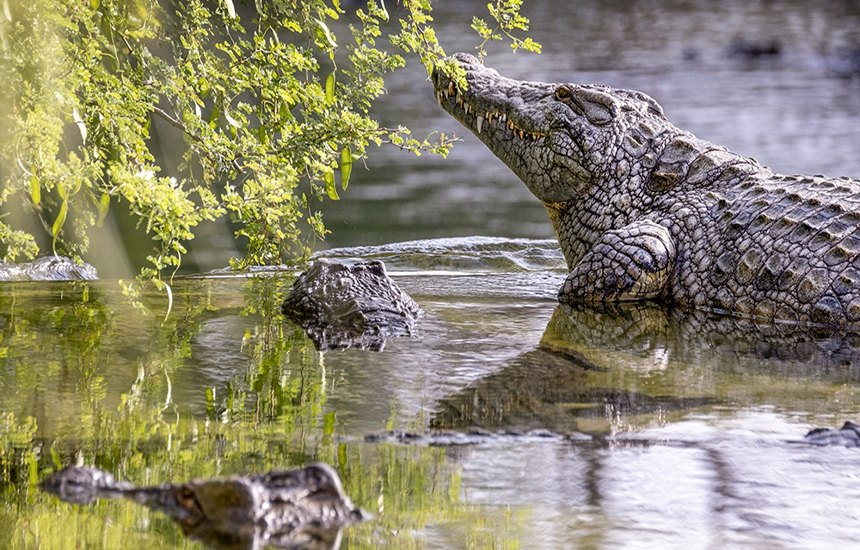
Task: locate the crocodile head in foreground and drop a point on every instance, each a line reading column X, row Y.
column 304, row 508
column 645, row 210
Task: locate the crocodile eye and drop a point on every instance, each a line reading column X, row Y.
column 562, row 93
column 186, row 497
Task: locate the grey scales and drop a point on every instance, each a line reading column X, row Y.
column 645, row 210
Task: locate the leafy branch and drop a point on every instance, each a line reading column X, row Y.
column 506, row 14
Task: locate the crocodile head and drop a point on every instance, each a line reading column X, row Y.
column 560, row 139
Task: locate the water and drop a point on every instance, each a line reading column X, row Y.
column 630, row 427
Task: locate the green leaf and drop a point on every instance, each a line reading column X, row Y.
column 61, row 219
column 345, row 166
column 329, row 88
column 232, row 121
column 35, row 190
column 330, row 188
column 82, row 127
column 104, row 204
column 329, row 37
column 62, row 191
column 231, row 9
column 94, row 4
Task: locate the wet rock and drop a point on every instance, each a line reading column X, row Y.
column 48, row 268
column 343, row 305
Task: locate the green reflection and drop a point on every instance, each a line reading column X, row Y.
column 222, row 386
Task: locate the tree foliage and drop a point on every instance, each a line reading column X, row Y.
column 273, row 109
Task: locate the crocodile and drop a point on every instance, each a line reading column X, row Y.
column 341, row 305
column 646, row 211
column 846, row 436
column 303, row 508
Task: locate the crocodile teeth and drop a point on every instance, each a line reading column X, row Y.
column 480, row 123
column 490, row 118
column 510, row 125
column 451, row 88
column 503, row 117
column 439, row 98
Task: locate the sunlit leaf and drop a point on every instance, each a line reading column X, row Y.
column 35, row 190
column 62, row 191
column 82, row 127
column 61, row 219
column 329, row 88
column 330, row 188
column 104, row 204
column 345, row 166
column 232, row 121
column 329, row 37
column 231, row 9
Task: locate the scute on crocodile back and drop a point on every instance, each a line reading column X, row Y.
column 609, row 165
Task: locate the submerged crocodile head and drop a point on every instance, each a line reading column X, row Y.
column 303, row 508
column 560, row 139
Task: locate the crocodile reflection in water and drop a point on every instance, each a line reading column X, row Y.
column 304, row 508
column 582, row 367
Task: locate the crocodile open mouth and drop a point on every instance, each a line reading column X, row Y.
column 480, row 114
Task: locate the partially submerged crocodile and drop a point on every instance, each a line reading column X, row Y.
column 343, row 305
column 644, row 210
column 303, row 508
column 846, row 436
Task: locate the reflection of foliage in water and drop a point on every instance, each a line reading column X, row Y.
column 85, row 379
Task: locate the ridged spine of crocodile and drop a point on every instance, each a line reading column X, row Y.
column 643, row 209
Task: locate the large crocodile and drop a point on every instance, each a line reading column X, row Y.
column 304, row 508
column 644, row 210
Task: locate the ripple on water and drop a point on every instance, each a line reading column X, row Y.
column 493, row 254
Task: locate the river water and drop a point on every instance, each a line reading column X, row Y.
column 509, row 421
